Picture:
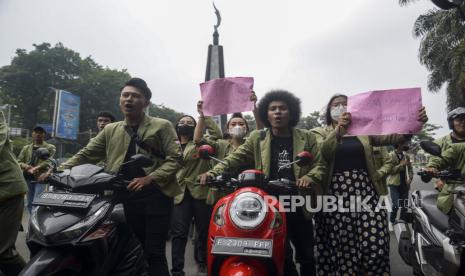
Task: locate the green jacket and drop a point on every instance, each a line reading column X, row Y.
column 12, row 182
column 112, row 143
column 192, row 167
column 445, row 197
column 223, row 148
column 256, row 152
column 25, row 156
column 454, row 157
column 213, row 130
column 383, row 162
column 321, row 133
column 328, row 152
column 394, row 176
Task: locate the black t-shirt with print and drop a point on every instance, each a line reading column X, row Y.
column 281, row 154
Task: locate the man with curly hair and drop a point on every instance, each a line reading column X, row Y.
column 269, row 149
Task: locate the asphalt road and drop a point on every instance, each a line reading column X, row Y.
column 398, row 267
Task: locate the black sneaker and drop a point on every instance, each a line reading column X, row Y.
column 202, row 270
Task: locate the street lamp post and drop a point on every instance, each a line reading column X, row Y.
column 9, row 106
column 9, row 113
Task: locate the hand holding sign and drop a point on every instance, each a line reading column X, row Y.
column 386, row 112
column 227, row 95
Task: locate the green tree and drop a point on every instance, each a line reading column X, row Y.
column 311, row 121
column 28, row 81
column 99, row 89
column 442, row 51
column 427, row 133
column 161, row 111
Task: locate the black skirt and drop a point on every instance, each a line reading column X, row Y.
column 353, row 243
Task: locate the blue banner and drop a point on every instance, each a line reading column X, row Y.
column 67, row 115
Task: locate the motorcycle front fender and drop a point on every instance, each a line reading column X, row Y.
column 237, row 266
column 49, row 261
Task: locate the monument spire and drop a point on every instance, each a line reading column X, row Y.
column 216, row 35
column 215, row 63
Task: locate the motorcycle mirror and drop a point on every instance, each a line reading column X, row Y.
column 304, row 158
column 206, row 151
column 431, row 148
column 447, row 4
column 43, row 153
column 141, row 160
column 426, row 178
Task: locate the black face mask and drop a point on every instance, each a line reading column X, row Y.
column 185, row 129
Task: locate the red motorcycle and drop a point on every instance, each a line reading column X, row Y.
column 247, row 234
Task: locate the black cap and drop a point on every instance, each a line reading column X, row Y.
column 39, row 129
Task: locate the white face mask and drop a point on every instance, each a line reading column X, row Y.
column 237, row 132
column 337, row 111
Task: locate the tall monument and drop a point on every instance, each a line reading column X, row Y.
column 215, row 62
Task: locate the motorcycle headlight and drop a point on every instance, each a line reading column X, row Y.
column 248, row 210
column 82, row 226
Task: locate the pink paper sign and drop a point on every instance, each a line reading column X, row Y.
column 227, row 95
column 385, row 112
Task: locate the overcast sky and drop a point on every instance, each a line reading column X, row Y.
column 311, row 48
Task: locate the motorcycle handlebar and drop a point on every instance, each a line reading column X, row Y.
column 282, row 184
column 223, row 183
column 287, row 184
column 426, row 176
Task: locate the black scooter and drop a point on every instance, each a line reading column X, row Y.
column 78, row 229
column 430, row 241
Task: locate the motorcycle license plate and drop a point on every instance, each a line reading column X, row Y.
column 243, row 247
column 69, row 200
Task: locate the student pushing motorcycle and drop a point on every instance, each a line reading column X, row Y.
column 149, row 217
column 267, row 150
column 432, row 242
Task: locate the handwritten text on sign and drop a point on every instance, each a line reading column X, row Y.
column 385, row 112
column 227, row 95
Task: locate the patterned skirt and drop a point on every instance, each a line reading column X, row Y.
column 353, row 243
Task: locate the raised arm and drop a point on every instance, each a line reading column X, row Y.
column 258, row 123
column 205, row 123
